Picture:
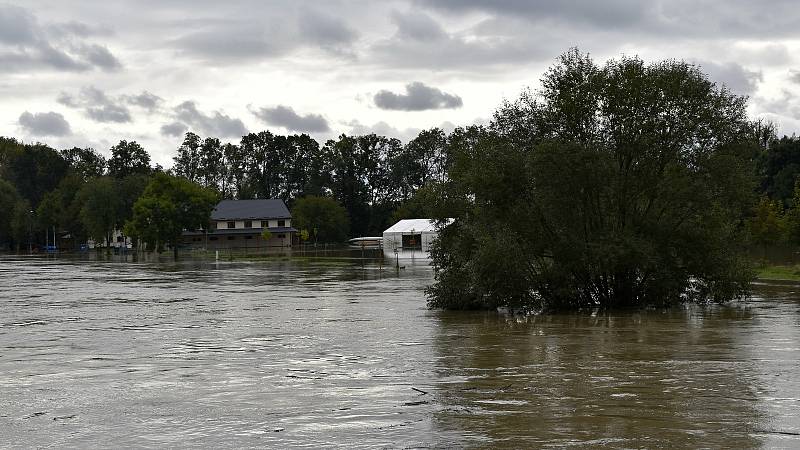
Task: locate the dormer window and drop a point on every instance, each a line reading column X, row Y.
column 248, row 224
column 231, row 224
column 281, row 223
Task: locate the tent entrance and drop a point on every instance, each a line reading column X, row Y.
column 412, row 242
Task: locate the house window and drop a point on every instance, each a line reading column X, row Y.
column 248, row 224
column 230, row 238
column 231, row 224
column 264, row 224
column 281, row 236
column 212, row 238
column 281, row 223
column 248, row 237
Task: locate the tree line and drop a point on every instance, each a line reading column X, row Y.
column 370, row 176
column 350, row 186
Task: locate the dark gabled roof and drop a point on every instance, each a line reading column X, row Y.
column 250, row 209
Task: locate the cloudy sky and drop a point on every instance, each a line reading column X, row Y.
column 89, row 73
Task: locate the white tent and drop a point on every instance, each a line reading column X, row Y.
column 410, row 238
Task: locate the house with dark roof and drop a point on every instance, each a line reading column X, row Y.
column 240, row 224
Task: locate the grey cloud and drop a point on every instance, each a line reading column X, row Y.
column 146, row 100
column 173, row 129
column 109, row 113
column 782, row 107
column 326, row 31
column 659, row 18
column 215, row 124
column 17, row 26
column 99, row 56
column 285, row 116
column 44, row 124
column 78, row 29
column 265, row 36
column 229, row 43
column 607, row 13
column 97, row 105
column 417, row 26
column 428, row 45
column 735, row 77
column 67, row 100
column 418, row 97
column 27, row 45
column 794, row 76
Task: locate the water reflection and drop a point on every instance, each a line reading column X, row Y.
column 684, row 377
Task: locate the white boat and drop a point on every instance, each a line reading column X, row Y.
column 366, row 243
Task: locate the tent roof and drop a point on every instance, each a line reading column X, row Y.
column 418, row 225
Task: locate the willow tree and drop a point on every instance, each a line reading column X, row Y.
column 619, row 185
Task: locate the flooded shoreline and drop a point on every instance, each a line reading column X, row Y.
column 288, row 354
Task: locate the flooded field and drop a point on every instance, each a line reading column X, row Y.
column 279, row 354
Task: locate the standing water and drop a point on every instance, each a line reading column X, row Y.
column 281, row 354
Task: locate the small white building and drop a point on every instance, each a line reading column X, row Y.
column 410, row 238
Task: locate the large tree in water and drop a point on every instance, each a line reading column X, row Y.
column 620, row 185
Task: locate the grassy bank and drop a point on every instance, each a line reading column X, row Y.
column 778, row 272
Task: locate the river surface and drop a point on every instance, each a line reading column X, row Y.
column 284, row 355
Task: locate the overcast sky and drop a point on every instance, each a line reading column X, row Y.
column 89, row 73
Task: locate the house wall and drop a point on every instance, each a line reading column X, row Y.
column 223, row 224
column 118, row 240
column 242, row 241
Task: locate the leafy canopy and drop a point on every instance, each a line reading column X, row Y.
column 168, row 206
column 615, row 186
column 324, row 218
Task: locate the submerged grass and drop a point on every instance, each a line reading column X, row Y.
column 790, row 272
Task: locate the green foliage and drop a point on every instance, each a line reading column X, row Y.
column 326, row 217
column 614, row 186
column 87, row 163
column 791, row 218
column 422, row 161
column 779, row 167
column 33, row 170
column 359, row 169
column 128, row 158
column 187, row 162
column 100, row 207
column 768, row 224
column 420, row 206
column 8, row 201
column 168, row 206
column 22, row 218
column 129, row 189
column 304, row 236
column 266, row 234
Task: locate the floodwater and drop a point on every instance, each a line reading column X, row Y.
column 283, row 355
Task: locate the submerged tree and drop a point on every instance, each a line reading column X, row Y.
column 324, row 219
column 168, row 206
column 615, row 186
column 100, row 208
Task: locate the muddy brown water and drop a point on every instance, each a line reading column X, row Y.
column 317, row 355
